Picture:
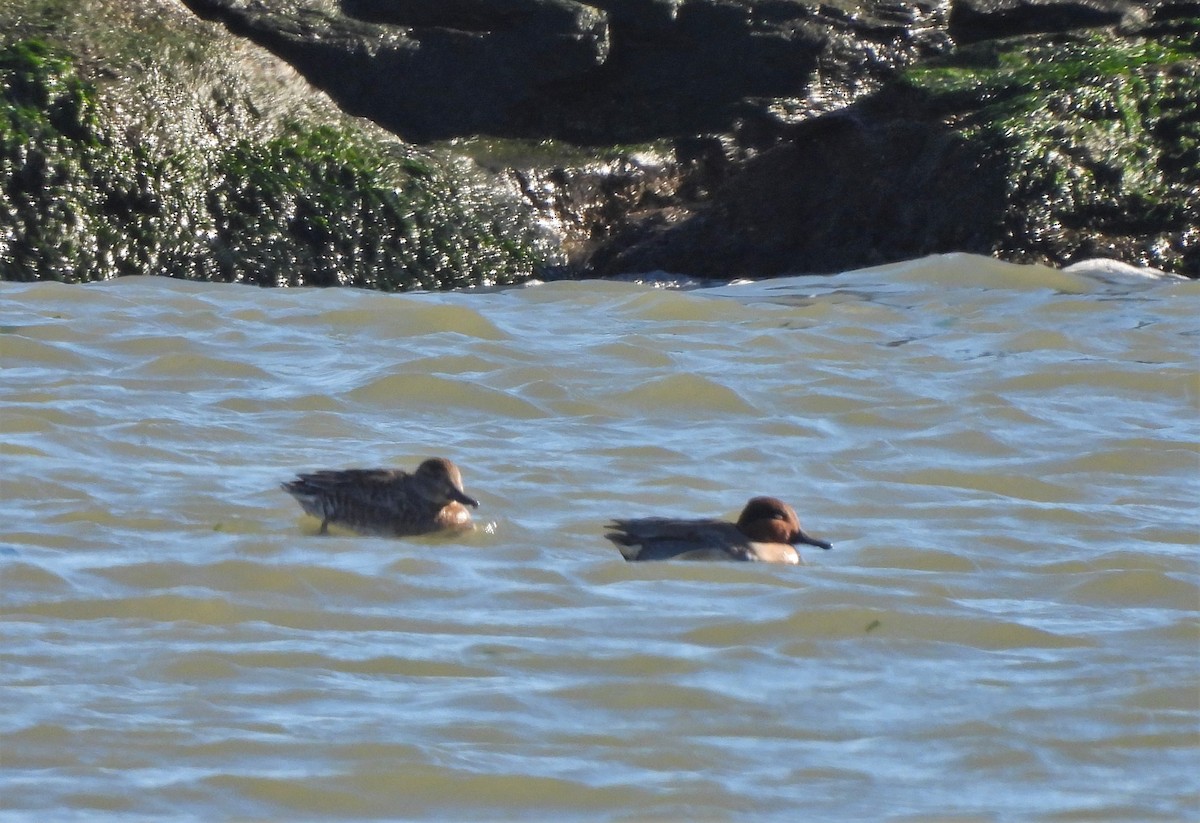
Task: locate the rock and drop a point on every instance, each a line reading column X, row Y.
column 427, row 70
column 165, row 145
column 844, row 191
column 976, row 20
column 599, row 73
column 1040, row 150
column 707, row 137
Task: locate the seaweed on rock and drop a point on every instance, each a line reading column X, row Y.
column 1099, row 137
column 92, row 186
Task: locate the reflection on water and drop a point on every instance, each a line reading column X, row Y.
column 1004, row 457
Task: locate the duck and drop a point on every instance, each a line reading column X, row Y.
column 767, row 531
column 387, row 501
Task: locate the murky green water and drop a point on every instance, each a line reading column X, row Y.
column 1005, row 458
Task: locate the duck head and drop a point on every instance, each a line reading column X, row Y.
column 439, row 481
column 770, row 520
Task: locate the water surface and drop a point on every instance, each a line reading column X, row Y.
column 1005, row 458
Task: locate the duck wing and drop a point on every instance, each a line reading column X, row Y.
column 339, row 494
column 665, row 538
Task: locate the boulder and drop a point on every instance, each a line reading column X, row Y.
column 600, row 73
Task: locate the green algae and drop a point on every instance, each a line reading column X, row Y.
column 1013, row 67
column 310, row 208
column 50, row 149
column 111, row 166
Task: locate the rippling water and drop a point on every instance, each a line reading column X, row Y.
column 1004, row 457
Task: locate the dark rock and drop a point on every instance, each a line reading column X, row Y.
column 423, row 69
column 975, row 20
column 470, row 15
column 847, row 190
column 598, row 73
column 1045, row 151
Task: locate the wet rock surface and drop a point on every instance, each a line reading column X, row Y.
column 716, row 138
column 600, row 73
column 161, row 144
column 1045, row 150
column 803, row 136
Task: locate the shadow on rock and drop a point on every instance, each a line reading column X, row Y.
column 844, row 191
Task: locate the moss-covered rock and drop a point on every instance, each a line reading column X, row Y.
column 1099, row 138
column 1047, row 149
column 315, row 207
column 175, row 151
column 136, row 137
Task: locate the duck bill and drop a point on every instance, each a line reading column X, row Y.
column 801, row 537
column 465, row 499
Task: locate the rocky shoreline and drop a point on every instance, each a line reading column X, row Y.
column 445, row 143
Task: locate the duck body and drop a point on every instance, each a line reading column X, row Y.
column 766, row 532
column 386, row 501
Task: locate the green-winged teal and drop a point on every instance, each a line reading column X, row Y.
column 767, row 532
column 387, row 501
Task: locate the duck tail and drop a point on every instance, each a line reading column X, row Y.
column 629, row 548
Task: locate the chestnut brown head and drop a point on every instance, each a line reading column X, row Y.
column 770, row 520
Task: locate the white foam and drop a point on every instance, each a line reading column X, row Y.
column 1114, row 271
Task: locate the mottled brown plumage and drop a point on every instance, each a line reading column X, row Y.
column 766, row 532
column 386, row 501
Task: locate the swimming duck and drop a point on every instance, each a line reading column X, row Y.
column 387, row 501
column 766, row 532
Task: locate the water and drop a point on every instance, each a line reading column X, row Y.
column 1004, row 457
